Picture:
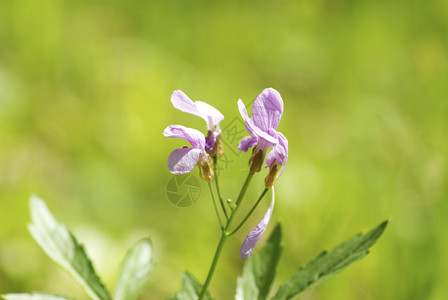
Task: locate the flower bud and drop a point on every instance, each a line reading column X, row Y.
column 218, row 148
column 205, row 168
column 273, row 171
column 257, row 159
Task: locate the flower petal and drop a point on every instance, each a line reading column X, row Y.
column 251, row 128
column 267, row 109
column 254, row 236
column 247, row 120
column 246, row 143
column 283, row 141
column 210, row 114
column 279, row 152
column 183, row 160
column 183, row 103
column 195, row 137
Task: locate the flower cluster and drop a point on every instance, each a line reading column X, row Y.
column 267, row 111
column 184, row 160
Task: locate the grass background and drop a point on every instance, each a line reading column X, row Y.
column 85, row 94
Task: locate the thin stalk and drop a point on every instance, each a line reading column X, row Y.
column 215, row 164
column 214, row 263
column 250, row 212
column 214, row 205
column 224, row 236
column 239, row 199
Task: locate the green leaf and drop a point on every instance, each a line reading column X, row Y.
column 135, row 270
column 33, row 296
column 259, row 269
column 191, row 289
column 63, row 248
column 328, row 264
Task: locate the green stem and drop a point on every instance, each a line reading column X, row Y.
column 216, row 208
column 239, row 199
column 215, row 163
column 250, row 212
column 214, row 263
column 224, row 236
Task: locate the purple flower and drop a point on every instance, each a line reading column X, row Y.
column 201, row 109
column 267, row 110
column 255, row 234
column 183, row 160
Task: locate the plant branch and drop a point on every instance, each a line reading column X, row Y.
column 250, row 212
column 215, row 167
column 214, row 263
column 216, row 208
column 224, row 236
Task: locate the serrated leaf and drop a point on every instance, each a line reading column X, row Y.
column 34, row 296
column 328, row 264
column 191, row 289
column 63, row 248
column 259, row 269
column 134, row 272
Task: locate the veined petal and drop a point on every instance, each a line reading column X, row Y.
column 283, row 141
column 247, row 120
column 243, row 110
column 254, row 236
column 279, row 153
column 183, row 160
column 267, row 109
column 265, row 141
column 210, row 114
column 183, row 103
column 251, row 128
column 195, row 137
column 246, row 143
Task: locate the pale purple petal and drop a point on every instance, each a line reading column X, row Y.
column 267, row 109
column 201, row 109
column 195, row 137
column 183, row 103
column 284, row 163
column 251, row 128
column 254, row 236
column 284, row 143
column 265, row 141
column 247, row 120
column 210, row 114
column 279, row 152
column 183, row 160
column 246, row 143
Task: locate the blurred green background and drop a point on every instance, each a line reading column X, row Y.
column 85, row 95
